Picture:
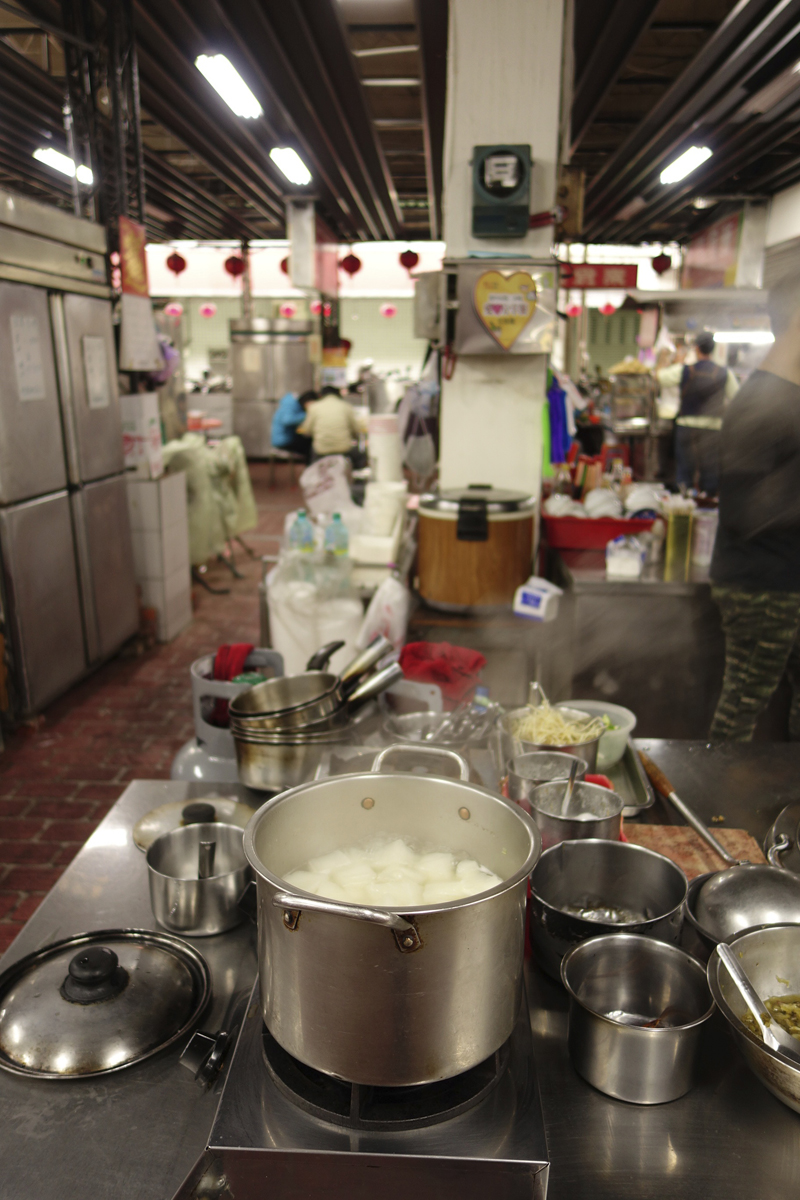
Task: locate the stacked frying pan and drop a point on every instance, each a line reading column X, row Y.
column 281, row 726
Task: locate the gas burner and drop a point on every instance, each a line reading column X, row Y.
column 355, row 1106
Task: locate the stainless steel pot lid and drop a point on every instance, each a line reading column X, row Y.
column 99, row 1002
column 227, row 810
column 497, row 499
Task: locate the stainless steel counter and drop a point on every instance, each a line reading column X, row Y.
column 138, row 1133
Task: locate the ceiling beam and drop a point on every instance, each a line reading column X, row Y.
column 432, row 24
column 624, row 25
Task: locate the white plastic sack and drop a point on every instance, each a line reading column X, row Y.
column 387, row 614
column 325, row 486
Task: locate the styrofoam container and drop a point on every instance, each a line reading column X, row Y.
column 613, row 741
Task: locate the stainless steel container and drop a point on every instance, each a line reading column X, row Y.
column 182, row 900
column 770, row 956
column 636, row 1012
column 587, row 751
column 526, row 772
column 591, row 875
column 373, row 995
column 593, row 812
column 274, row 764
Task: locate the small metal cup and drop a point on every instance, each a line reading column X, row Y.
column 593, row 812
column 526, row 772
column 181, row 900
column 662, row 990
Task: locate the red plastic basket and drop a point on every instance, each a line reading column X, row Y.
column 590, row 533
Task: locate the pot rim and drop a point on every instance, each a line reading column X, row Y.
column 630, row 937
column 292, row 709
column 500, row 889
column 168, row 833
column 621, row 926
column 607, row 792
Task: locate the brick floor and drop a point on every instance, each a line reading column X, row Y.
column 61, row 772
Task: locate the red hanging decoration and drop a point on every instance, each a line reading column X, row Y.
column 288, row 309
column 608, row 309
column 176, row 263
column 235, row 265
column 285, row 265
column 409, row 259
column 173, row 309
column 209, row 309
column 388, row 310
column 574, row 310
column 351, row 264
column 327, row 309
column 661, row 263
column 316, row 307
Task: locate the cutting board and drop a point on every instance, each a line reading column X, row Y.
column 687, row 848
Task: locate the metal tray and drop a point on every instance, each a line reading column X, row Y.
column 631, row 783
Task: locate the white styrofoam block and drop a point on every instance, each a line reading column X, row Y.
column 172, row 601
column 143, row 504
column 176, row 548
column 177, row 615
column 172, row 497
column 141, row 434
column 175, row 582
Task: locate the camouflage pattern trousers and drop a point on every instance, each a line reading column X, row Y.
column 761, row 642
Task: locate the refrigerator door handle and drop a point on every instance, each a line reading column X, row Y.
column 65, row 388
column 91, row 632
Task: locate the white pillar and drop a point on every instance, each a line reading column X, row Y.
column 503, row 86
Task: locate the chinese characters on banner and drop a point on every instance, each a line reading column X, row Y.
column 711, row 256
column 139, row 349
column 598, row 275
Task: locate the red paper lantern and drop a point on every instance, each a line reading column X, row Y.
column 608, row 309
column 285, row 265
column 316, row 307
column 173, row 309
column 388, row 310
column 235, row 265
column 409, row 259
column 574, row 310
column 288, row 309
column 661, row 263
column 351, row 264
column 327, row 309
column 176, row 263
column 208, row 310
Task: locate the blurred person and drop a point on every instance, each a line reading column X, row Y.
column 289, row 416
column 331, row 424
column 755, row 570
column 704, row 388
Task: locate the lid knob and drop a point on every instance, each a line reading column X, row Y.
column 93, row 974
column 198, row 813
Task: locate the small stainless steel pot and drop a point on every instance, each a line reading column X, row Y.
column 660, row 998
column 371, row 994
column 273, row 765
column 526, row 772
column 597, row 874
column 587, row 751
column 182, row 900
column 593, row 812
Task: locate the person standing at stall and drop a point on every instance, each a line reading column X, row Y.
column 755, row 569
column 705, row 388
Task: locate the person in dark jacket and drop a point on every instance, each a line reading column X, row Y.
column 756, row 565
column 704, row 389
column 288, row 417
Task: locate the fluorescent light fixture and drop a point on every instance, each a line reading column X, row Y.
column 289, row 163
column 689, row 161
column 744, row 337
column 64, row 164
column 225, row 79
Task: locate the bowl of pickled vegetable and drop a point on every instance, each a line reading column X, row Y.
column 770, row 955
column 619, row 724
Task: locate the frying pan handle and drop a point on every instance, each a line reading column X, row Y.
column 374, row 685
column 405, row 934
column 367, row 658
column 663, row 785
column 435, row 751
column 782, row 844
column 320, row 658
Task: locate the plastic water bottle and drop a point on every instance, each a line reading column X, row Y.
column 301, row 533
column 337, row 539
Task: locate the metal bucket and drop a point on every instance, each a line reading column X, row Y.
column 181, row 901
column 593, row 812
column 526, row 772
column 373, row 995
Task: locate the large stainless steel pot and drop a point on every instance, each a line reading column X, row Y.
column 377, row 996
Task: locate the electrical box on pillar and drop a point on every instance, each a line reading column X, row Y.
column 501, row 191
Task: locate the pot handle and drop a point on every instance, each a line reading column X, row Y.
column 436, row 751
column 782, row 843
column 405, row 933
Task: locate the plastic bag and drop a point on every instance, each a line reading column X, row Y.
column 325, row 486
column 387, row 614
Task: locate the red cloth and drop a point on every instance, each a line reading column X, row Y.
column 228, row 663
column 454, row 669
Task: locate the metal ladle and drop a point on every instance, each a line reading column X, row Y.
column 772, row 1033
column 206, row 852
column 570, row 788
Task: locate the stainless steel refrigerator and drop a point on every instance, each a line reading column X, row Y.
column 68, row 587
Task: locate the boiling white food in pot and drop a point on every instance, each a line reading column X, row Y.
column 391, row 873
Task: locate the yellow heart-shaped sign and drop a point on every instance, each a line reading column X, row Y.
column 505, row 304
